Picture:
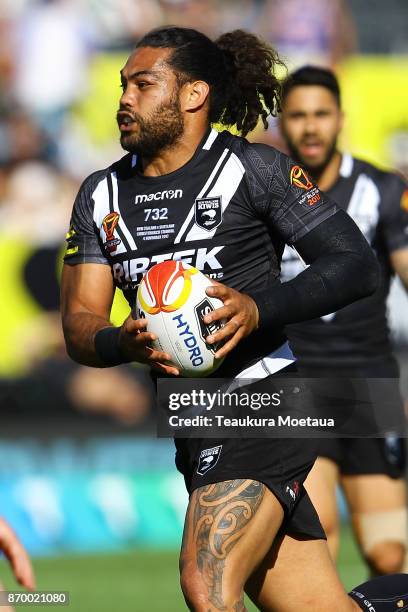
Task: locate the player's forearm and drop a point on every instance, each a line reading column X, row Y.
column 80, row 330
column 313, row 293
column 343, row 269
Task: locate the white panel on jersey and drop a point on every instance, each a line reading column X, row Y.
column 364, row 205
column 281, row 358
column 134, row 160
column 209, row 142
column 200, row 195
column 101, row 198
column 346, row 166
column 329, row 317
column 121, row 223
column 292, row 264
column 225, row 186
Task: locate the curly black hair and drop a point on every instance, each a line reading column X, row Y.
column 239, row 68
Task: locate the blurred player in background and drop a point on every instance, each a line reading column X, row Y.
column 352, row 342
column 245, row 527
column 18, row 558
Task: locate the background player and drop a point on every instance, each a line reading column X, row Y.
column 174, row 85
column 354, row 341
column 18, row 558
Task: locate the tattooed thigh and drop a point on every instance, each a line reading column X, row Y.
column 219, row 515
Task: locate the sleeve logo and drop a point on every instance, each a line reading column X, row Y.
column 109, row 224
column 71, row 249
column 404, row 200
column 299, row 178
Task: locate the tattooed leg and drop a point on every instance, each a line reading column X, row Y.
column 229, row 528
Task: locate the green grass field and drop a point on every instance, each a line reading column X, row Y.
column 138, row 581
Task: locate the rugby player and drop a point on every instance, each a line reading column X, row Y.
column 243, row 528
column 353, row 342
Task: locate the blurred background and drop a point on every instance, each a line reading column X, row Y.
column 84, row 481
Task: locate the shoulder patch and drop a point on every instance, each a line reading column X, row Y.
column 299, row 178
column 404, row 200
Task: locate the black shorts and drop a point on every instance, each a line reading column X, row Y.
column 282, row 465
column 359, row 456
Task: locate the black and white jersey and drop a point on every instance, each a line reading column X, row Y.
column 357, row 334
column 229, row 212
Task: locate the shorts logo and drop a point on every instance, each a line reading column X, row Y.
column 208, row 213
column 368, row 605
column 299, row 178
column 293, row 490
column 208, row 459
column 109, row 224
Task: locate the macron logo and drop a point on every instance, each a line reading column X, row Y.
column 167, row 194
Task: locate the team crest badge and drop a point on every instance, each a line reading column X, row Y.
column 208, row 459
column 208, row 212
column 109, row 224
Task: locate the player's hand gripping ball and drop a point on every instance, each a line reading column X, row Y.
column 172, row 298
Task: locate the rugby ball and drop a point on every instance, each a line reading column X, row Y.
column 172, row 298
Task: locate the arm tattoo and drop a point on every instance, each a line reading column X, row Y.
column 220, row 515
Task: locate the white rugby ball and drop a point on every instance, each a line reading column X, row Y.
column 172, row 298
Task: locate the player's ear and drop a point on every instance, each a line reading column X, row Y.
column 194, row 95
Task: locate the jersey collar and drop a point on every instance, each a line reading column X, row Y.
column 346, row 166
column 205, row 145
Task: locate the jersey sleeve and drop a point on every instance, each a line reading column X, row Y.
column 83, row 242
column 394, row 213
column 284, row 194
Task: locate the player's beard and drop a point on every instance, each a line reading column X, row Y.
column 160, row 130
column 314, row 169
